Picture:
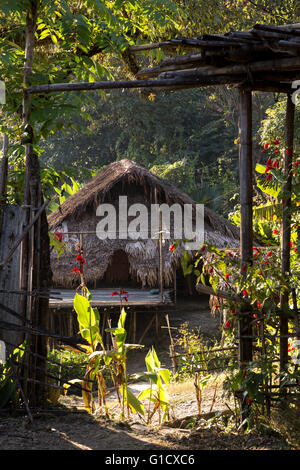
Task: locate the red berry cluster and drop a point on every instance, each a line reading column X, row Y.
column 271, row 164
column 58, row 236
column 80, row 260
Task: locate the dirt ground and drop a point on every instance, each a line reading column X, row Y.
column 69, row 427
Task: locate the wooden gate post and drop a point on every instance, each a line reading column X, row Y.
column 246, row 229
column 286, row 228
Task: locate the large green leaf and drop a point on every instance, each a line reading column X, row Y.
column 165, row 375
column 122, row 318
column 272, row 188
column 120, row 335
column 134, row 403
column 85, row 313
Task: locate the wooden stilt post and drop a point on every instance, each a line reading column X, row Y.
column 175, row 284
column 103, row 326
column 134, row 327
column 286, row 228
column 157, row 325
column 246, row 230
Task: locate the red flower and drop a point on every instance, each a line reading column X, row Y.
column 233, row 311
column 258, row 304
column 266, row 146
column 291, row 244
column 114, row 293
column 276, row 164
column 203, row 249
column 245, row 293
column 249, row 400
column 287, row 151
column 123, row 292
column 269, row 177
column 255, row 315
column 275, row 232
column 172, row 247
column 227, row 324
column 230, row 255
column 75, row 270
column 58, row 236
column 260, row 273
column 295, row 250
column 276, row 142
column 269, row 253
column 227, row 275
column 269, row 162
column 80, row 259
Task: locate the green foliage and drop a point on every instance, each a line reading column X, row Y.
column 84, row 41
column 9, row 391
column 259, row 284
column 73, row 364
column 156, row 394
column 218, row 17
column 88, row 320
column 105, row 362
column 197, row 154
column 273, row 126
column 112, row 364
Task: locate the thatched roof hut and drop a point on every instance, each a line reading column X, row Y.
column 116, row 261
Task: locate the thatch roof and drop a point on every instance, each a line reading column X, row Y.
column 78, row 213
column 97, row 191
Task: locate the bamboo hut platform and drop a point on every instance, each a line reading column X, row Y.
column 64, row 298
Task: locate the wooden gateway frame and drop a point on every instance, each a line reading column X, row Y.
column 265, row 58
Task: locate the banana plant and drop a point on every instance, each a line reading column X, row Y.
column 156, row 394
column 89, row 328
column 101, row 360
column 119, row 357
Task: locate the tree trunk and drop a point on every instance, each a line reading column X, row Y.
column 35, row 250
